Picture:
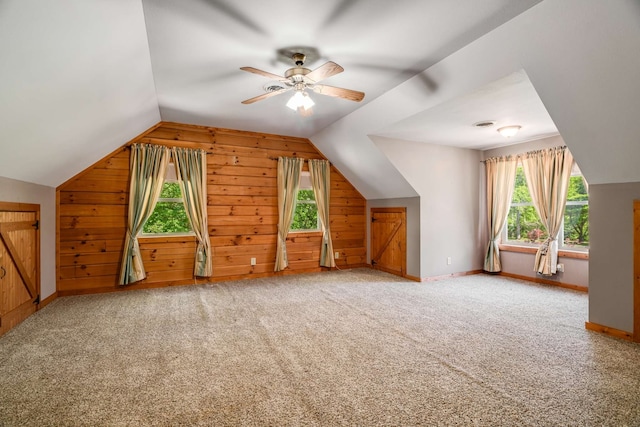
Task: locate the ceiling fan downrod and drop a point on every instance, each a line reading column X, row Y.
column 298, row 59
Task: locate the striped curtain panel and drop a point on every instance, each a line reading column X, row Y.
column 500, row 172
column 191, row 170
column 548, row 173
column 320, row 171
column 147, row 164
column 289, row 170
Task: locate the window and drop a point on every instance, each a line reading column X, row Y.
column 525, row 227
column 576, row 213
column 305, row 217
column 169, row 215
column 523, row 223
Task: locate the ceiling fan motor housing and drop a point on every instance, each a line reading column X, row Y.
column 297, row 74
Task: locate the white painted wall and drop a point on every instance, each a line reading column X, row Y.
column 447, row 180
column 576, row 270
column 24, row 192
column 611, row 254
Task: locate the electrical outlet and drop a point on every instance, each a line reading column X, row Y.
column 448, row 260
column 336, row 255
column 253, row 261
column 560, row 268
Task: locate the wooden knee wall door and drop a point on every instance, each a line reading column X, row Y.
column 389, row 240
column 19, row 262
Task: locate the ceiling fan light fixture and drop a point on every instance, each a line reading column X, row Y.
column 299, row 100
column 307, row 102
column 299, row 78
column 509, row 131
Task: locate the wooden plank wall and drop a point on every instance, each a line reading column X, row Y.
column 242, row 207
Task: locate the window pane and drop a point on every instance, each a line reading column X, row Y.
column 577, row 191
column 576, row 226
column 306, row 195
column 521, row 190
column 523, row 222
column 171, row 190
column 305, row 216
column 576, row 214
column 168, row 216
column 524, row 225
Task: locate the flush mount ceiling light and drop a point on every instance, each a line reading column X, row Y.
column 509, row 131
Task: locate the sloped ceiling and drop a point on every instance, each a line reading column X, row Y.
column 79, row 78
column 198, row 46
column 75, row 83
column 577, row 54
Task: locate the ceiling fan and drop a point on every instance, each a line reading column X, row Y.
column 299, row 79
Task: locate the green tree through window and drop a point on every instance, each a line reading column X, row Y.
column 169, row 215
column 524, row 224
column 576, row 214
column 305, row 216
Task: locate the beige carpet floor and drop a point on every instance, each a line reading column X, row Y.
column 355, row 347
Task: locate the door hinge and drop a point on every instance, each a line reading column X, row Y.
column 36, row 224
column 373, row 262
column 37, row 300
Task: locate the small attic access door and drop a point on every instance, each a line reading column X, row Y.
column 19, row 263
column 389, row 240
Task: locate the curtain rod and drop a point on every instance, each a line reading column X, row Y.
column 128, row 147
column 519, row 155
column 305, row 160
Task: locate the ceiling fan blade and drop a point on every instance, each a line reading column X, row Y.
column 265, row 96
column 351, row 95
column 324, row 71
column 264, row 73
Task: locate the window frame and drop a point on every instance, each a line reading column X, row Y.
column 507, row 244
column 302, row 187
column 169, row 178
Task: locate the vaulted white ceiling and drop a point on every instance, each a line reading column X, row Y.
column 79, row 78
column 198, row 46
column 509, row 101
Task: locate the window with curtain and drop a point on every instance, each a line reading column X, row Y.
column 289, row 169
column 524, row 227
column 148, row 165
column 305, row 216
column 169, row 216
column 191, row 171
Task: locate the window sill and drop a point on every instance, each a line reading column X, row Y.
column 563, row 253
column 166, row 238
column 297, row 236
column 303, row 233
